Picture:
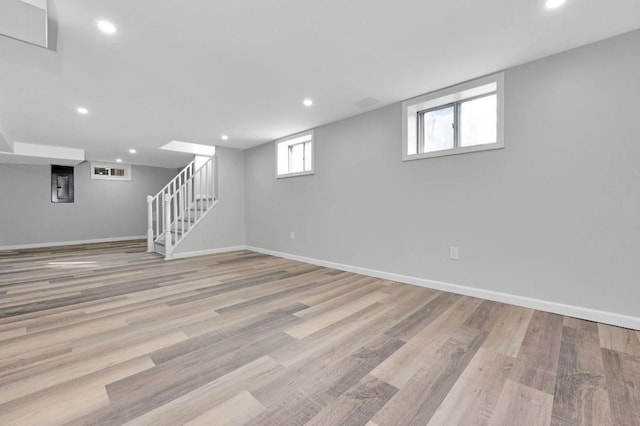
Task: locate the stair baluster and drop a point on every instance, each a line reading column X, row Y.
column 180, row 206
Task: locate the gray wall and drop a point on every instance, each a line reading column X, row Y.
column 223, row 226
column 554, row 216
column 102, row 209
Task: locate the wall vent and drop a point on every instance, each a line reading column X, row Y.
column 366, row 102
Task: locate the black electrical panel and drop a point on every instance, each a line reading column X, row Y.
column 61, row 184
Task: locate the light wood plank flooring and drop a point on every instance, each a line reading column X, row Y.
column 109, row 334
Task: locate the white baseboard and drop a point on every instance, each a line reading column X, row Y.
column 72, row 243
column 187, row 254
column 527, row 302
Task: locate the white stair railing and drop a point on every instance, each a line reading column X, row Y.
column 175, row 211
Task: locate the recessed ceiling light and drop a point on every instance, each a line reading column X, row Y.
column 82, row 110
column 107, row 27
column 119, row 160
column 307, row 102
column 132, row 151
column 224, row 137
column 552, row 4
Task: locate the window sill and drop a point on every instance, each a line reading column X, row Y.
column 454, row 151
column 288, row 175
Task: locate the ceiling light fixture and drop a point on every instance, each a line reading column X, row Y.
column 118, row 160
column 82, row 110
column 224, row 137
column 107, row 27
column 307, row 102
column 132, row 151
column 552, row 4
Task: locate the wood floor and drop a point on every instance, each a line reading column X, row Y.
column 109, row 334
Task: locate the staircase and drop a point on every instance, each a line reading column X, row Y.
column 176, row 210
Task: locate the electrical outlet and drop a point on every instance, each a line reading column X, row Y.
column 292, row 235
column 454, row 253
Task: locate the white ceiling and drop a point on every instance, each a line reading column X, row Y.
column 194, row 70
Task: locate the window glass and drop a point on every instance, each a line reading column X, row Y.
column 464, row 118
column 296, row 158
column 438, row 130
column 478, row 121
column 307, row 156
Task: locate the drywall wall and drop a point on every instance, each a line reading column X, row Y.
column 553, row 216
column 102, row 209
column 223, row 227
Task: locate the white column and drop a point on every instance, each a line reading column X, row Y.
column 150, row 245
column 167, row 226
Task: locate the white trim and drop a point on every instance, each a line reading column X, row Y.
column 527, row 302
column 187, row 254
column 289, row 175
column 445, row 96
column 454, row 151
column 72, row 243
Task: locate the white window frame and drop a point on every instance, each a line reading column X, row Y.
column 293, row 140
column 412, row 108
column 125, row 167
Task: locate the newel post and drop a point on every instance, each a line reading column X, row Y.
column 168, row 241
column 150, row 246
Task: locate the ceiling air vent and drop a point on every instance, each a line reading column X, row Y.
column 24, row 20
column 366, row 103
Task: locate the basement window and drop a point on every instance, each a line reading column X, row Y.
column 464, row 118
column 294, row 155
column 108, row 171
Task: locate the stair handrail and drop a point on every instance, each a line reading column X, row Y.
column 184, row 174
